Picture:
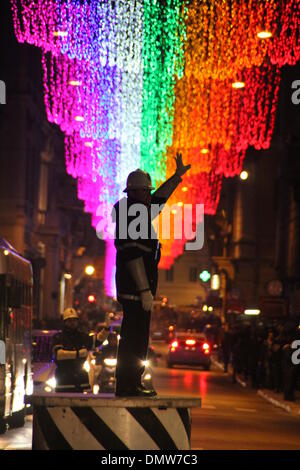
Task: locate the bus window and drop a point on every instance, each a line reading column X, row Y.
column 42, row 348
column 15, row 295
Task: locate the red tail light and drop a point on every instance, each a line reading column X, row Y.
column 174, row 344
column 205, row 348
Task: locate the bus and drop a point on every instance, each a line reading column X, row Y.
column 16, row 379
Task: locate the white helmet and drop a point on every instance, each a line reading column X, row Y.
column 138, row 179
column 70, row 313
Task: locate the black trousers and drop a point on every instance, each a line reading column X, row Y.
column 133, row 345
column 71, row 379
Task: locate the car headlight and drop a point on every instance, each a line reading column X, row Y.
column 51, row 382
column 87, row 366
column 110, row 362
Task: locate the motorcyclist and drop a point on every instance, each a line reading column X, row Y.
column 70, row 349
column 110, row 347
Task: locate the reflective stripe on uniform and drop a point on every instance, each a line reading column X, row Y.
column 65, row 386
column 134, row 245
column 66, row 355
column 58, row 387
column 129, row 297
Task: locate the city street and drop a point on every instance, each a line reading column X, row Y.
column 149, row 186
column 231, row 417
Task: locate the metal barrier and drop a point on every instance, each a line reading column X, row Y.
column 93, row 422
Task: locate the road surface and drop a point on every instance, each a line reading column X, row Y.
column 231, row 417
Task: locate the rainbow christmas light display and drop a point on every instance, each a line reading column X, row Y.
column 131, row 82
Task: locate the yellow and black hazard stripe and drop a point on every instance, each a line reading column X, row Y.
column 101, row 428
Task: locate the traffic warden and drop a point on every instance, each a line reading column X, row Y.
column 70, row 349
column 136, row 276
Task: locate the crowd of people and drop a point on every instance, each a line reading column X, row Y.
column 262, row 354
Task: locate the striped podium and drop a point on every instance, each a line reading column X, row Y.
column 103, row 422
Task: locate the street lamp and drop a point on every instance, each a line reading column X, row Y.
column 244, row 175
column 215, row 282
column 89, row 270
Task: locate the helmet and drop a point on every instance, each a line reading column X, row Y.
column 70, row 313
column 138, row 179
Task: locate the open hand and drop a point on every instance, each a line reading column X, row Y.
column 147, row 300
column 181, row 169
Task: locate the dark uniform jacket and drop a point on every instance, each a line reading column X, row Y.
column 70, row 374
column 146, row 247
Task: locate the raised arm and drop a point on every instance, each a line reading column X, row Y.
column 162, row 194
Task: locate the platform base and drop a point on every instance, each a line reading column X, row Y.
column 81, row 422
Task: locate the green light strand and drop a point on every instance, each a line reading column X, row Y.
column 163, row 61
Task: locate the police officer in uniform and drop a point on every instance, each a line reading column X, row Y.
column 70, row 349
column 136, row 275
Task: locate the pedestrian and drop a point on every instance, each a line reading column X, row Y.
column 276, row 359
column 261, row 362
column 289, row 369
column 257, row 357
column 245, row 347
column 235, row 351
column 226, row 345
column 70, row 349
column 269, row 353
column 136, row 275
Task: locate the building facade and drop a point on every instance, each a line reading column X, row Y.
column 181, row 283
column 40, row 214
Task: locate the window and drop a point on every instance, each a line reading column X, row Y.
column 170, row 274
column 193, row 274
column 43, row 193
